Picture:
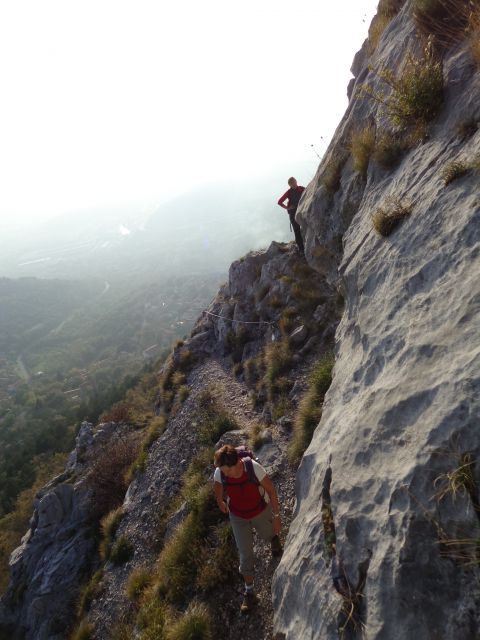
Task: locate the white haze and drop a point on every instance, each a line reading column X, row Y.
column 131, row 102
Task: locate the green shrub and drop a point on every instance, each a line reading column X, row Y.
column 122, row 551
column 362, row 145
column 310, row 408
column 416, row 96
column 90, row 592
column 109, row 527
column 453, row 171
column 84, row 632
column 137, row 582
column 193, row 625
column 386, row 219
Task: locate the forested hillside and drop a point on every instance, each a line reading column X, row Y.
column 69, row 350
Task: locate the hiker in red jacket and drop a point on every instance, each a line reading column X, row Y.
column 293, row 196
column 246, row 493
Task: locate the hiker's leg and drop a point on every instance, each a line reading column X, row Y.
column 242, row 531
column 298, row 235
column 263, row 524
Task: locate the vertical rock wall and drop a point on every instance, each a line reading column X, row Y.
column 403, row 410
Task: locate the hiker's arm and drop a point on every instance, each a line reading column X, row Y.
column 282, row 200
column 267, row 484
column 218, row 487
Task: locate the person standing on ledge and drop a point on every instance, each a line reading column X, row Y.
column 293, row 196
column 244, row 491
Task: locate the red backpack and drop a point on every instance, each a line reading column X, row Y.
column 247, row 456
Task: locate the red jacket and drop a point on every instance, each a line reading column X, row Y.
column 293, row 196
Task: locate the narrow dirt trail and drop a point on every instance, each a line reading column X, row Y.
column 272, row 455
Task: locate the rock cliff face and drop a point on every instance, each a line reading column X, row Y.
column 400, row 421
column 57, row 552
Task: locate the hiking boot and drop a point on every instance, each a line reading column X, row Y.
column 249, row 601
column 276, row 546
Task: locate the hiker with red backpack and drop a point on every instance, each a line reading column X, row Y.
column 244, row 491
column 293, row 196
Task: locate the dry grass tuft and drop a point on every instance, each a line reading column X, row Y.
column 387, row 218
column 446, row 20
column 362, row 145
column 138, row 581
column 332, row 174
column 467, row 128
column 310, row 408
column 453, row 171
column 389, row 149
column 195, row 624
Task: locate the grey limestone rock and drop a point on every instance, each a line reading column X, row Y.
column 403, row 408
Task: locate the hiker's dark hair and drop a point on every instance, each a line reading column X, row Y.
column 226, row 456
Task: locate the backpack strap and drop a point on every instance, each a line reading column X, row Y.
column 252, row 476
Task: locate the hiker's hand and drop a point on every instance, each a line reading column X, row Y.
column 277, row 525
column 223, row 507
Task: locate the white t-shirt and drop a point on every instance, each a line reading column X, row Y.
column 259, row 472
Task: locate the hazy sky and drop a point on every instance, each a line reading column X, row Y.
column 115, row 101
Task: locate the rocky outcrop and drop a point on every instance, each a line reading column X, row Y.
column 56, row 554
column 400, row 420
column 245, row 314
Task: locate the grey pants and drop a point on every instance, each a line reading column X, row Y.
column 243, row 532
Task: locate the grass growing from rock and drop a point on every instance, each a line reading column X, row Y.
column 138, row 581
column 195, row 624
column 122, row 551
column 310, row 408
column 109, row 527
column 185, row 556
column 213, row 418
column 389, row 150
column 386, row 10
column 445, row 20
column 90, row 592
column 467, row 127
column 84, row 632
column 362, row 146
column 453, row 171
column 332, row 174
column 278, row 361
column 387, row 218
column 157, row 426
